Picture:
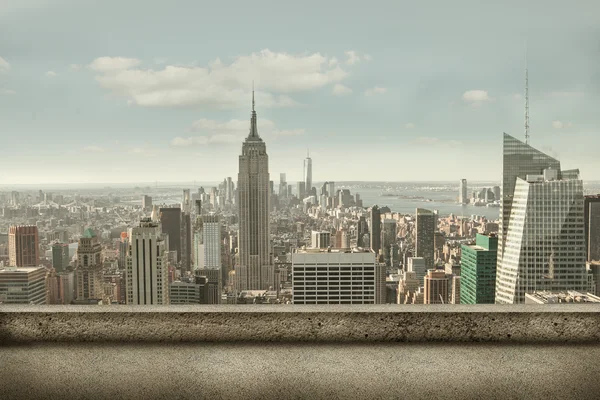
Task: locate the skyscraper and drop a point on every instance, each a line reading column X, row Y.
column 147, row 277
column 170, row 220
column 60, row 256
column 375, row 229
column 255, row 270
column 424, row 236
column 478, row 270
column 301, row 189
column 463, row 197
column 436, row 287
column 308, row 173
column 282, row 185
column 23, row 246
column 211, row 225
column 362, row 228
column 88, row 273
column 23, row 285
column 544, row 244
column 147, row 203
column 592, row 227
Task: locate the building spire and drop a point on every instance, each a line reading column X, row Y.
column 253, row 95
column 526, row 98
column 253, row 135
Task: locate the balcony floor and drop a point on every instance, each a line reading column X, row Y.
column 284, row 370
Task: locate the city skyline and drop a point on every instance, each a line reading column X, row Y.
column 160, row 112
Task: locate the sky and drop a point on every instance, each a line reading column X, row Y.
column 141, row 91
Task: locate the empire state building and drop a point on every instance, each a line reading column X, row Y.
column 255, row 270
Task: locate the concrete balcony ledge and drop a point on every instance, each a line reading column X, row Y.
column 568, row 323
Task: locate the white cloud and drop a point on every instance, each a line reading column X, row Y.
column 561, row 125
column 352, row 57
column 233, row 131
column 7, row 92
column 160, row 60
column 142, row 151
column 409, row 125
column 375, row 90
column 74, row 67
column 4, row 65
column 93, row 149
column 341, row 90
column 113, row 64
column 476, row 96
column 51, row 74
column 219, row 84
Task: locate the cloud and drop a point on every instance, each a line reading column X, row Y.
column 375, row 90
column 7, row 92
column 341, row 90
column 368, row 57
column 434, row 141
column 51, row 74
column 475, row 96
column 410, row 125
column 229, row 132
column 142, row 151
column 352, row 57
column 74, row 67
column 160, row 60
column 218, row 84
column 517, row 96
column 4, row 65
column 113, row 64
column 93, row 149
column 561, row 125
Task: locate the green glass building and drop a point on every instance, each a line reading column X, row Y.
column 478, row 271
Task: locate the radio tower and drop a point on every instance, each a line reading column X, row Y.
column 526, row 100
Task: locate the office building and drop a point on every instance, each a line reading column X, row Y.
column 255, row 270
column 320, row 240
column 418, row 266
column 214, row 284
column 60, row 256
column 301, row 190
column 211, row 227
column 375, row 220
column 170, row 221
column 88, row 271
column 436, row 287
column 591, row 209
column 544, row 245
column 425, row 227
column 186, row 241
column 463, row 197
column 362, row 229
column 23, row 285
column 321, row 277
column 308, row 175
column 147, row 203
column 196, row 292
column 478, row 270
column 147, row 276
column 23, row 246
column 282, row 185
column 568, row 297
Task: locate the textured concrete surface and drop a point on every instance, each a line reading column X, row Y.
column 258, row 323
column 293, row 371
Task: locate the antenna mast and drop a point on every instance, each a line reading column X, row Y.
column 526, row 100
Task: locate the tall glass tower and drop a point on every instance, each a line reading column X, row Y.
column 308, row 174
column 542, row 242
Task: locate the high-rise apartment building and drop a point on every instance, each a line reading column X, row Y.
column 591, row 221
column 375, row 221
column 23, row 285
column 88, row 272
column 308, row 183
column 60, row 256
column 147, row 276
column 321, row 277
column 478, row 270
column 255, row 270
column 463, row 197
column 23, row 246
column 436, row 287
column 425, row 227
column 170, row 221
column 544, row 243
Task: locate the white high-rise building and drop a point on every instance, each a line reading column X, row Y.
column 212, row 241
column 463, row 197
column 544, row 244
column 147, row 278
column 308, row 174
column 255, row 270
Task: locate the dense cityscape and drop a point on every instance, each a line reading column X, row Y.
column 253, row 240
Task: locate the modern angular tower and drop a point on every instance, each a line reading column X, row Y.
column 542, row 228
column 308, row 174
column 255, row 270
